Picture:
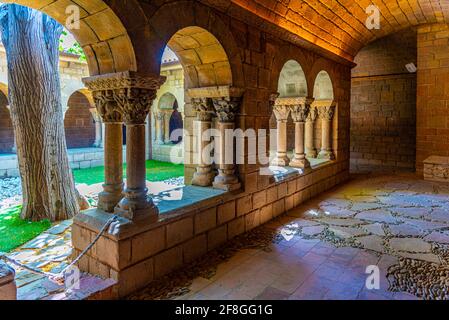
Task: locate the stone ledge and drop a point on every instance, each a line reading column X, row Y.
column 436, row 168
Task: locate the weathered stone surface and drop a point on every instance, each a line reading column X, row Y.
column 375, row 228
column 440, row 215
column 346, row 232
column 425, row 225
column 372, row 242
column 412, row 212
column 429, row 257
column 341, row 222
column 410, row 245
column 312, row 231
column 437, row 237
column 405, row 230
column 377, row 216
column 361, row 206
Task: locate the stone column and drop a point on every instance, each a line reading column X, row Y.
column 160, row 118
column 98, row 129
column 281, row 112
column 300, row 111
column 326, row 114
column 310, row 133
column 135, row 97
column 204, row 174
column 226, row 109
column 112, row 117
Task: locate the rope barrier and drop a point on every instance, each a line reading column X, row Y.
column 59, row 277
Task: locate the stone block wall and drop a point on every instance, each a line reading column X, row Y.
column 78, row 122
column 433, row 93
column 134, row 259
column 6, row 128
column 383, row 105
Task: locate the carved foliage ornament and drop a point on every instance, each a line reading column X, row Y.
column 313, row 114
column 226, row 108
column 327, row 113
column 107, row 107
column 300, row 112
column 135, row 103
column 203, row 108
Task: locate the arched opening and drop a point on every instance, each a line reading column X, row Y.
column 383, row 133
column 78, row 122
column 175, row 124
column 323, row 89
column 107, row 49
column 194, row 60
column 292, row 85
column 6, row 128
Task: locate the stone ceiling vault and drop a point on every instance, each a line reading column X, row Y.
column 339, row 25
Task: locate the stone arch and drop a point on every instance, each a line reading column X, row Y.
column 323, row 87
column 79, row 123
column 203, row 58
column 198, row 24
column 101, row 34
column 6, row 127
column 167, row 101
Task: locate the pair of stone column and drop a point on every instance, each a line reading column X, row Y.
column 98, row 129
column 299, row 109
column 125, row 97
column 323, row 110
column 160, row 127
column 224, row 107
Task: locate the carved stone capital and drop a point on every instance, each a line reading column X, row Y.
column 203, row 108
column 135, row 104
column 132, row 92
column 326, row 112
column 313, row 114
column 107, row 107
column 226, row 108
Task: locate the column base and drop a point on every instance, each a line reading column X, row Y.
column 203, row 177
column 137, row 206
column 326, row 154
column 8, row 288
column 226, row 182
column 110, row 197
column 311, row 153
column 280, row 161
column 300, row 163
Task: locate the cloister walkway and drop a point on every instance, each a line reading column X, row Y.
column 325, row 246
column 320, row 250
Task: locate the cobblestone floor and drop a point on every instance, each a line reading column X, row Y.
column 398, row 223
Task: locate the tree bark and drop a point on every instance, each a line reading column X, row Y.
column 31, row 40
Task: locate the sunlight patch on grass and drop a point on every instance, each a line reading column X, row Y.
column 14, row 231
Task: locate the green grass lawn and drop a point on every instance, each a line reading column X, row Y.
column 15, row 231
column 156, row 171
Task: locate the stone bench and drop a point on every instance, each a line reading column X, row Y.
column 8, row 289
column 436, row 168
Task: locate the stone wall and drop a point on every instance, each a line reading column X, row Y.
column 383, row 105
column 78, row 122
column 180, row 237
column 6, row 129
column 433, row 93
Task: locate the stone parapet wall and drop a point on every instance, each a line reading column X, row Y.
column 136, row 258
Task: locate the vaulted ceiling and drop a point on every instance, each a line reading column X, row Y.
column 339, row 25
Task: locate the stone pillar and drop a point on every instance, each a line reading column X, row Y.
column 160, row 119
column 226, row 109
column 135, row 98
column 167, row 126
column 98, row 130
column 326, row 114
column 204, row 174
column 8, row 288
column 310, row 133
column 299, row 112
column 281, row 112
column 112, row 117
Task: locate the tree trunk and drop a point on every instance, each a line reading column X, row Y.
column 31, row 40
